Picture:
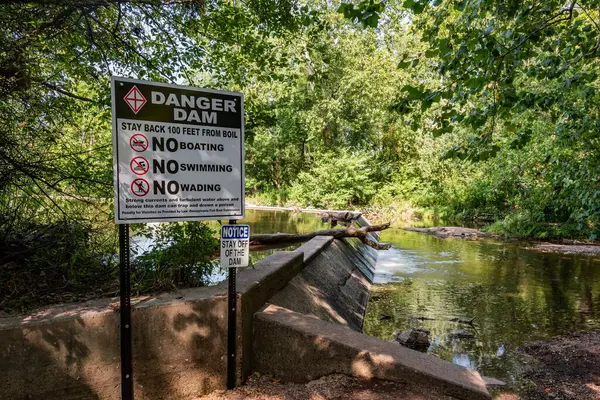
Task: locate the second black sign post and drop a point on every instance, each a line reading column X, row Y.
column 231, row 325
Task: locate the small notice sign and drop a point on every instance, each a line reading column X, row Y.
column 178, row 152
column 235, row 245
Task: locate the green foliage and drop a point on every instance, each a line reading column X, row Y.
column 336, row 182
column 44, row 264
column 180, row 255
column 526, row 225
column 514, row 89
column 56, row 59
column 365, row 12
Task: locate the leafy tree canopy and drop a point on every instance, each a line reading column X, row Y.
column 55, row 61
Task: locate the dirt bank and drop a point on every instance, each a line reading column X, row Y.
column 565, row 368
column 569, row 247
column 581, row 249
column 454, row 232
column 330, row 387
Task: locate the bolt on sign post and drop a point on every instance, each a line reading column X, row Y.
column 178, row 155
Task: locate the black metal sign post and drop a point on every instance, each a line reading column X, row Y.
column 231, row 324
column 125, row 311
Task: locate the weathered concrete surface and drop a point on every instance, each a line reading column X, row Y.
column 180, row 341
column 74, row 354
column 332, row 287
column 362, row 256
column 314, row 247
column 255, row 287
column 300, row 348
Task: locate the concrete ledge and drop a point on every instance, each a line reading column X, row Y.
column 74, row 354
column 180, row 341
column 314, row 247
column 255, row 287
column 270, row 274
column 300, row 348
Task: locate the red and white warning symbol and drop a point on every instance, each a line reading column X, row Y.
column 139, row 165
column 138, row 142
column 140, row 187
column 135, row 99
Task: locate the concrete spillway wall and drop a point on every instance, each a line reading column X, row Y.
column 331, row 287
column 180, row 339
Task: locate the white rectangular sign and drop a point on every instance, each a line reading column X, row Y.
column 178, row 152
column 235, row 245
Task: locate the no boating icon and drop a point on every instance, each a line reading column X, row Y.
column 139, row 165
column 140, row 187
column 138, row 142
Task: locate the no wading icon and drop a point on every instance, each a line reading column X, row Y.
column 140, row 187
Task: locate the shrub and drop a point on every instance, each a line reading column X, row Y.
column 336, row 181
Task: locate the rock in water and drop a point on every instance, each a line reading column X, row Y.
column 417, row 339
column 461, row 334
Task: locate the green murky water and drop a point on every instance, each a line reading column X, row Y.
column 281, row 221
column 515, row 295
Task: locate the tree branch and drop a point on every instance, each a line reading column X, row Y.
column 590, row 17
column 65, row 92
column 351, row 231
column 547, row 23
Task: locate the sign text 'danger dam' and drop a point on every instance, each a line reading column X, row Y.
column 178, row 152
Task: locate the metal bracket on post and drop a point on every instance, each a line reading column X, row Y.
column 125, row 311
column 231, row 324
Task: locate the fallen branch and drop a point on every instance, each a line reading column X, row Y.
column 346, row 218
column 351, row 231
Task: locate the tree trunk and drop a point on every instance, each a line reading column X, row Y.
column 351, row 231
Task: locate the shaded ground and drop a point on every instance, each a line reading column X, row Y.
column 330, row 387
column 566, row 367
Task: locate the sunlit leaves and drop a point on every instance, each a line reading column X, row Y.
column 416, row 6
column 366, row 12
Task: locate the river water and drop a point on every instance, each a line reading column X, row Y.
column 515, row 295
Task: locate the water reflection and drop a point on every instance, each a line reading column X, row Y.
column 515, row 296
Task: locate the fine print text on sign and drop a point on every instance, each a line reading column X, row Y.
column 235, row 245
column 178, row 152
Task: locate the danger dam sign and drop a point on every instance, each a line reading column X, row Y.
column 178, row 152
